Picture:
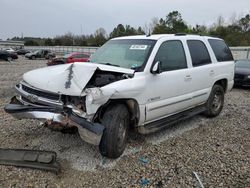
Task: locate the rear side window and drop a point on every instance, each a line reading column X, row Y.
column 81, row 56
column 172, row 56
column 78, row 56
column 221, row 50
column 85, row 56
column 198, row 52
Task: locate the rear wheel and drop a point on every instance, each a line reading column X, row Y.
column 33, row 57
column 114, row 139
column 215, row 101
column 9, row 59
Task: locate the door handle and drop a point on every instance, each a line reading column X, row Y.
column 211, row 73
column 188, row 78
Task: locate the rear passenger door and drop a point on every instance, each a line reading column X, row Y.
column 202, row 71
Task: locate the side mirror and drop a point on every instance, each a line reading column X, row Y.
column 156, row 68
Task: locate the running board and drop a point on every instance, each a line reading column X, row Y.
column 170, row 120
column 45, row 160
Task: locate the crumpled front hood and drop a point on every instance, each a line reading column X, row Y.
column 67, row 79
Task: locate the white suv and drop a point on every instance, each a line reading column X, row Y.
column 144, row 83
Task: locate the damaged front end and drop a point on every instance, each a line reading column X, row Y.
column 69, row 96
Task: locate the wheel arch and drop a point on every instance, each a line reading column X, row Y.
column 131, row 104
column 222, row 82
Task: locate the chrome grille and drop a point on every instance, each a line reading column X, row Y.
column 38, row 93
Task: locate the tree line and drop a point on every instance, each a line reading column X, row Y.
column 235, row 33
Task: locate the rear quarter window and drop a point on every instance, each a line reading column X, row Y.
column 221, row 50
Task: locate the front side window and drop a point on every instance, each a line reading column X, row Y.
column 221, row 50
column 172, row 56
column 199, row 53
column 38, row 52
column 126, row 53
column 67, row 55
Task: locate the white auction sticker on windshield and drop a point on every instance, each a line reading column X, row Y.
column 138, row 47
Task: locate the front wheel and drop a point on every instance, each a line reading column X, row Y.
column 114, row 139
column 215, row 101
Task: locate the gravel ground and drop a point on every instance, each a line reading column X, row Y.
column 217, row 149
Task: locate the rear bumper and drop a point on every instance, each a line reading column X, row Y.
column 89, row 132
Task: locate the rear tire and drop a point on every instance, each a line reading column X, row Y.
column 114, row 139
column 33, row 57
column 215, row 101
column 9, row 59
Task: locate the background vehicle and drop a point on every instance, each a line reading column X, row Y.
column 242, row 73
column 8, row 56
column 69, row 58
column 10, row 50
column 142, row 83
column 47, row 54
column 22, row 51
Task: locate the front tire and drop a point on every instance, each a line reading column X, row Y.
column 33, row 57
column 114, row 139
column 215, row 101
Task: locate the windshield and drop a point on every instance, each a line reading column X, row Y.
column 243, row 63
column 126, row 53
column 67, row 55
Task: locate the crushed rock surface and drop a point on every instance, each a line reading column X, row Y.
column 217, row 149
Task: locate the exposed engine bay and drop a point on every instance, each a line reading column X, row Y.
column 102, row 78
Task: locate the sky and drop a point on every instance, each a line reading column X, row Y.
column 49, row 18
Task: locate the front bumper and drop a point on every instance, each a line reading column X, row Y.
column 19, row 111
column 89, row 132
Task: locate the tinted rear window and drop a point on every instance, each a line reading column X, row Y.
column 198, row 52
column 221, row 50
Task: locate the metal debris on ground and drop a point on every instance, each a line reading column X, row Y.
column 143, row 160
column 199, row 180
column 45, row 160
column 144, row 182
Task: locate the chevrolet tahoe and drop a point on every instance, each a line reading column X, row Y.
column 134, row 83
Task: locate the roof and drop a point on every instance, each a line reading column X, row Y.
column 170, row 36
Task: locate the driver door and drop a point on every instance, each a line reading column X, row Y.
column 170, row 91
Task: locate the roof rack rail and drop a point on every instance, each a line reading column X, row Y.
column 180, row 34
